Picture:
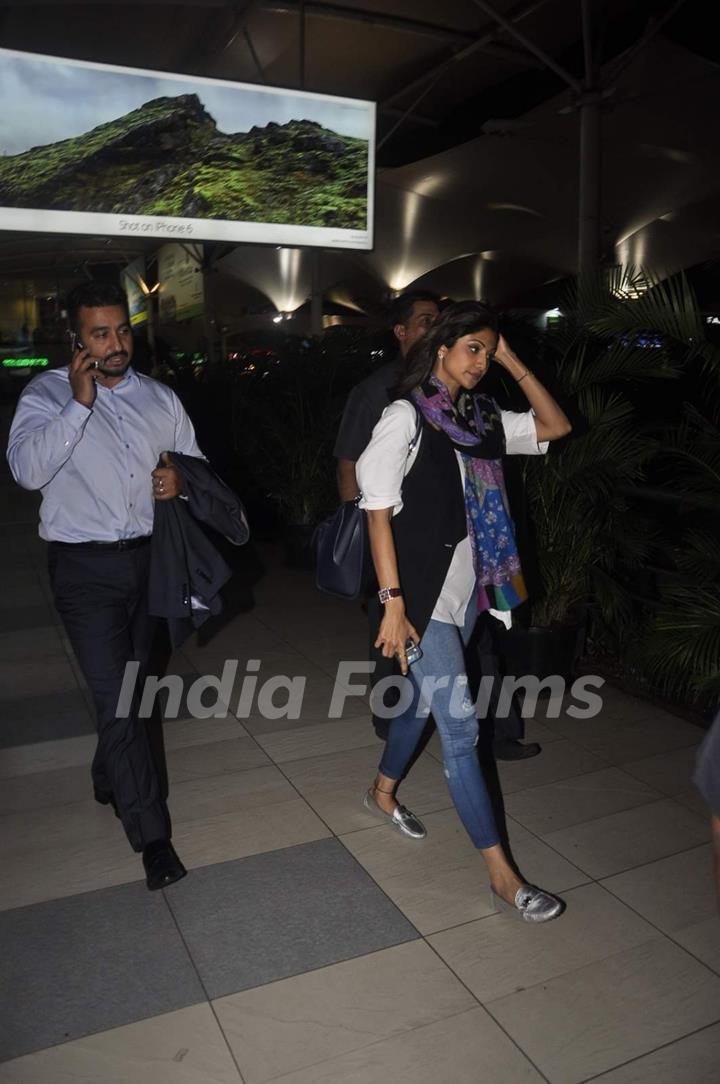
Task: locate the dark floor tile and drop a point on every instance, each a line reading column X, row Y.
column 263, row 918
column 32, row 644
column 76, row 966
column 44, row 718
column 35, row 616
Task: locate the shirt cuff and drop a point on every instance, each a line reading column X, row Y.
column 521, row 434
column 75, row 413
column 374, row 504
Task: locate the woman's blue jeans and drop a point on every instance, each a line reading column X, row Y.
column 443, row 658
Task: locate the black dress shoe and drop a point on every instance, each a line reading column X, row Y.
column 512, row 749
column 162, row 865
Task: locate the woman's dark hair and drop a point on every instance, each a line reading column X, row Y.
column 93, row 295
column 462, row 318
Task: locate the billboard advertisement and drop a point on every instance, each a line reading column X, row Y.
column 182, row 293
column 101, row 149
column 132, row 277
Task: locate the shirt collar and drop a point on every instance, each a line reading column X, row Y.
column 130, row 379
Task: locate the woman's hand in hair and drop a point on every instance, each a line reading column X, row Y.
column 506, row 357
column 551, row 423
column 395, row 630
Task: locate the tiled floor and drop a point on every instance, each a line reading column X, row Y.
column 310, row 944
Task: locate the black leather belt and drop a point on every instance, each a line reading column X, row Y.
column 120, row 544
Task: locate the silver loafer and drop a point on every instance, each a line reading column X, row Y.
column 401, row 818
column 532, row 904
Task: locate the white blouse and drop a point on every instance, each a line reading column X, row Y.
column 385, row 462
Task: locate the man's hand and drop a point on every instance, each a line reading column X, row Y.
column 82, row 377
column 167, row 481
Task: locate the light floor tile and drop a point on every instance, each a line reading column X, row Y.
column 183, row 1047
column 437, row 882
column 691, row 798
column 537, row 730
column 702, row 939
column 571, row 801
column 669, row 773
column 49, row 788
column 558, row 760
column 32, row 645
column 21, row 678
column 672, row 893
column 334, row 786
column 319, row 740
column 631, row 838
column 466, row 1049
column 441, row 881
column 180, row 733
column 658, row 734
column 593, row 1019
column 677, row 894
column 501, row 955
column 305, row 1020
column 49, row 853
column 694, row 1059
column 235, row 815
column 617, row 710
column 238, row 754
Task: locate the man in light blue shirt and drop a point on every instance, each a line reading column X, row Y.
column 89, row 437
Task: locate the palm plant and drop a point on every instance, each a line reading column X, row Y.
column 679, row 649
column 285, row 425
column 624, row 331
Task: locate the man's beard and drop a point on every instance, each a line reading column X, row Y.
column 113, row 370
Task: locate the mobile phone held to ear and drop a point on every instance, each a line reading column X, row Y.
column 77, row 345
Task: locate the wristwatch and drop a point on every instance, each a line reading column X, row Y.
column 386, row 593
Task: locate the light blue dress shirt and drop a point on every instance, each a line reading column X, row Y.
column 94, row 466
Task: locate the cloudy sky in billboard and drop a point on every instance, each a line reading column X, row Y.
column 44, row 100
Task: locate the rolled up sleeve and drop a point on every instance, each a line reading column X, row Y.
column 43, row 436
column 381, row 467
column 521, row 434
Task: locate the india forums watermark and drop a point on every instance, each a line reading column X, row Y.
column 281, row 696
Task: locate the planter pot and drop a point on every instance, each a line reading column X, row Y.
column 540, row 652
column 297, row 543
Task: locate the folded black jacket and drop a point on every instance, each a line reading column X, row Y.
column 186, row 570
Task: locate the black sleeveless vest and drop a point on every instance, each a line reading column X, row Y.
column 430, row 524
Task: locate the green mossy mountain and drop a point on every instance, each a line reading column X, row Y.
column 168, row 158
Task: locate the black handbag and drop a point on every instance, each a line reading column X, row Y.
column 342, row 547
column 342, row 551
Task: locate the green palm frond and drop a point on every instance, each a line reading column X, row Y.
column 681, row 650
column 698, row 556
column 628, row 300
column 622, row 363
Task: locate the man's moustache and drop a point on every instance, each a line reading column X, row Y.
column 111, row 357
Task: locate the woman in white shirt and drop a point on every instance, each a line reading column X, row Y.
column 444, row 550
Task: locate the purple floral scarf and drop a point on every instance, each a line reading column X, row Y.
column 473, row 426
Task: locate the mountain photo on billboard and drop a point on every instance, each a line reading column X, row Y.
column 168, row 158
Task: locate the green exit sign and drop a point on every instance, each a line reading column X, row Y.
column 25, row 363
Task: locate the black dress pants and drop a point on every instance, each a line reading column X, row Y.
column 483, row 663
column 101, row 597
